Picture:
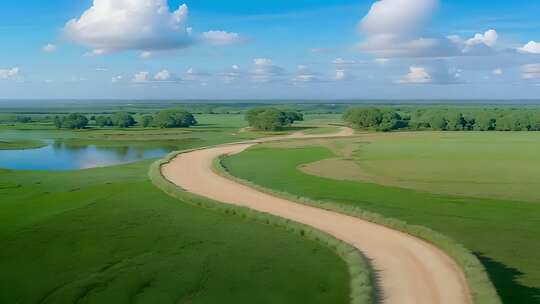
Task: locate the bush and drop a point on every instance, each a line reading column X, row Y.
column 271, row 119
column 122, row 120
column 374, row 118
column 174, row 118
column 147, row 121
column 103, row 121
column 72, row 121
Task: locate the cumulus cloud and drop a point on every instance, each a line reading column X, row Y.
column 434, row 73
column 416, row 75
column 163, row 75
column 11, row 73
column 532, row 47
column 479, row 44
column 231, row 74
column 221, row 38
column 395, row 28
column 392, row 27
column 530, row 71
column 264, row 70
column 117, row 25
column 304, row 74
column 141, row 77
column 145, row 54
column 342, row 75
column 341, row 61
column 49, row 48
column 397, row 16
column 498, row 71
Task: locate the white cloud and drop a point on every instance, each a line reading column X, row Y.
column 221, row 38
column 116, row 79
column 489, row 38
column 145, row 54
column 479, row 44
column 232, row 74
column 416, row 75
column 434, row 73
column 162, row 75
column 382, row 60
column 141, row 77
column 397, row 16
column 49, row 48
column 498, row 71
column 392, row 29
column 341, row 61
column 304, row 74
column 264, row 70
column 532, row 47
column 530, row 71
column 11, row 73
column 117, row 25
column 341, row 75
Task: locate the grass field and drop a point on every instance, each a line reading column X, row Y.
column 502, row 233
column 493, row 165
column 108, row 235
column 20, row 144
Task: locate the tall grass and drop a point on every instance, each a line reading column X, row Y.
column 362, row 284
column 481, row 288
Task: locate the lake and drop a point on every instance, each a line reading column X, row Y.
column 58, row 156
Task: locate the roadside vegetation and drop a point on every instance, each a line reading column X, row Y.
column 500, row 233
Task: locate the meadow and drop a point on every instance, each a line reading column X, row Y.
column 501, row 232
column 108, row 235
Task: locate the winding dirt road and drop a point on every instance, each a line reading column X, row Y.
column 410, row 270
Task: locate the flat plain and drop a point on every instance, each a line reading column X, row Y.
column 501, row 232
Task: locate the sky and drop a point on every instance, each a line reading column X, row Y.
column 280, row 49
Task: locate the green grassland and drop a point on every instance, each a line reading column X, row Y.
column 502, row 233
column 20, row 144
column 109, row 236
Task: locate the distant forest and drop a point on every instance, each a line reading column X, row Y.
column 444, row 119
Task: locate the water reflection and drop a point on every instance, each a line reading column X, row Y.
column 60, row 156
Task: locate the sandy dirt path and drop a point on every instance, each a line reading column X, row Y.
column 410, row 270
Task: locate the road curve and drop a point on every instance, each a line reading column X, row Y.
column 410, row 270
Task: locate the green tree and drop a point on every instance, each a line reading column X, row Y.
column 147, row 121
column 484, row 121
column 103, row 121
column 174, row 118
column 293, row 116
column 72, row 121
column 267, row 119
column 363, row 118
column 122, row 120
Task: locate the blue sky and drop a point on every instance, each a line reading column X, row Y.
column 280, row 49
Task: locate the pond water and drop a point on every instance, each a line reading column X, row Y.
column 58, row 156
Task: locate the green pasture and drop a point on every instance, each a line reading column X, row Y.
column 502, row 233
column 109, row 236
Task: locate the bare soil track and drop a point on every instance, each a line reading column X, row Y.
column 410, row 270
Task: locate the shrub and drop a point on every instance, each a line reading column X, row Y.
column 72, row 121
column 122, row 120
column 174, row 118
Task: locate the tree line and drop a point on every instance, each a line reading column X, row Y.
column 170, row 118
column 440, row 119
